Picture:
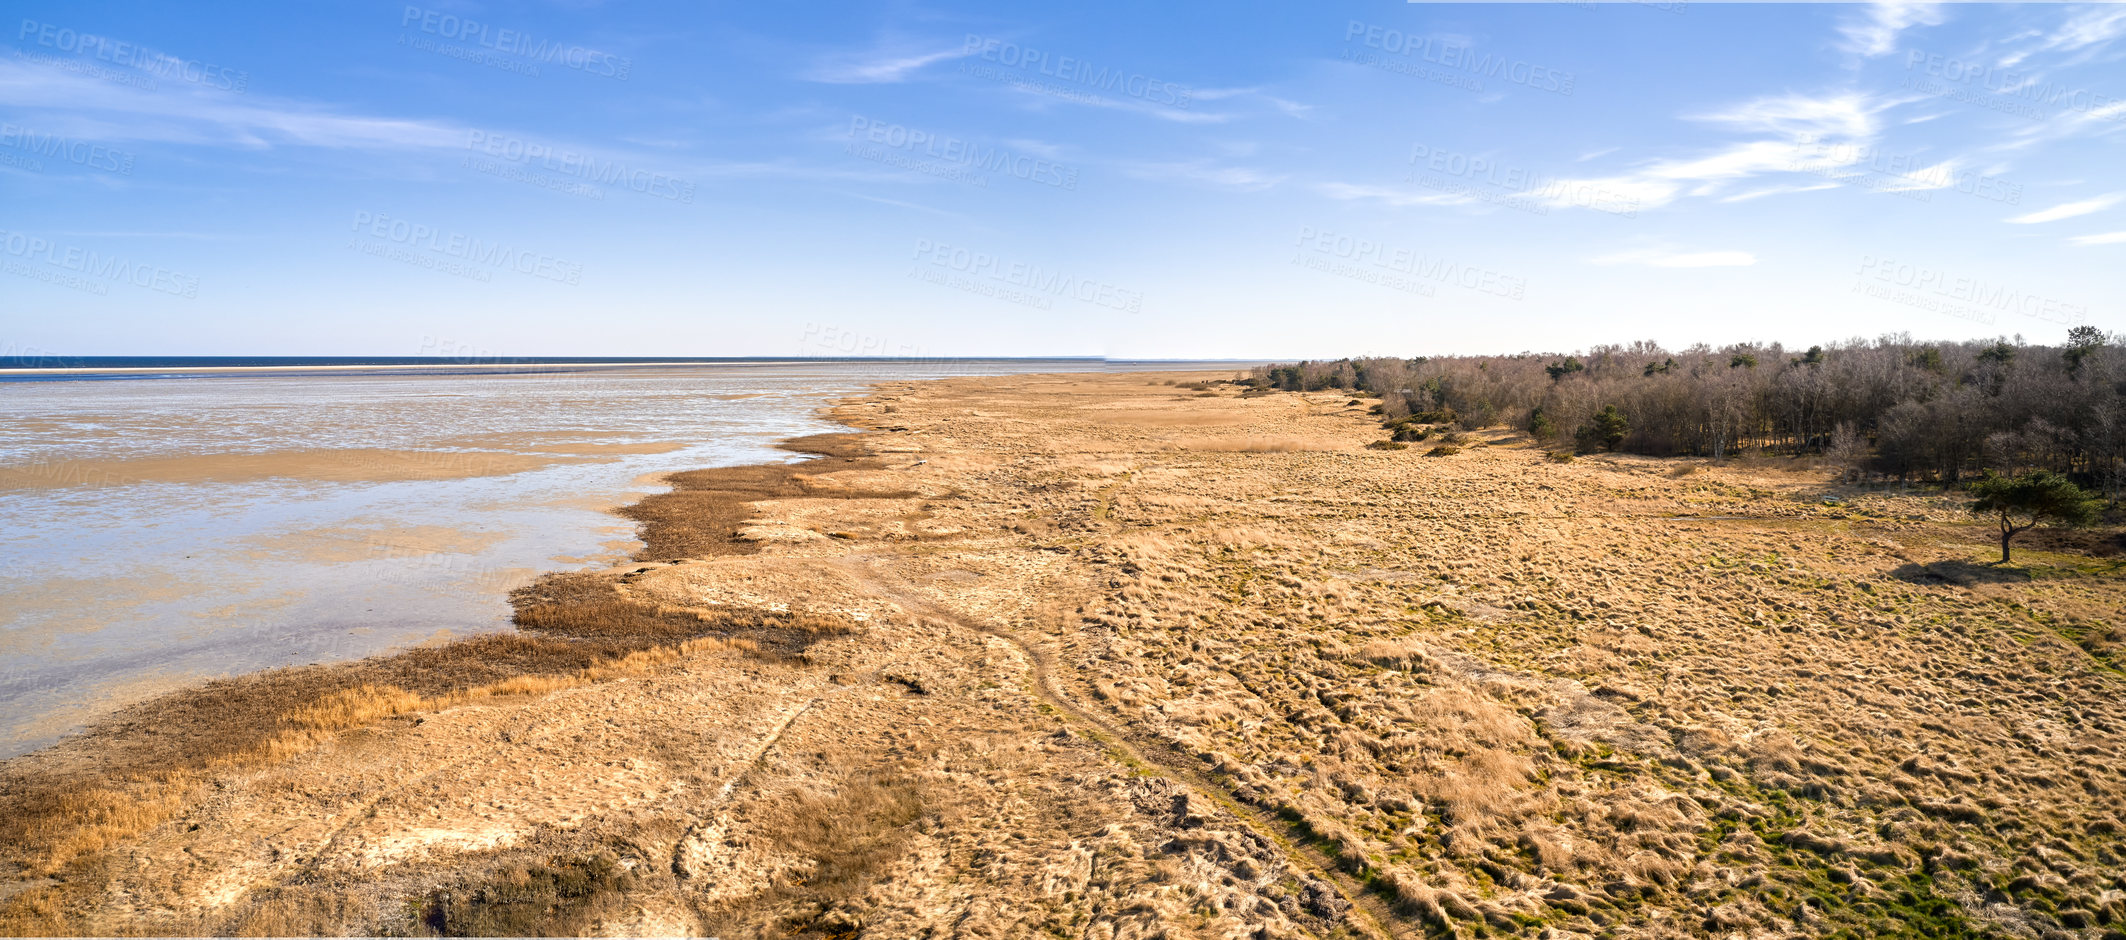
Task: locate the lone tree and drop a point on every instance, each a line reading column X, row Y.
column 2022, row 502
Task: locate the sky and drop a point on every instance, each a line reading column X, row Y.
column 951, row 179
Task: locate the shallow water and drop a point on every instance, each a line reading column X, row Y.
column 162, row 531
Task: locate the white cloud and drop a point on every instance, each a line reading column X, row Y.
column 1661, row 258
column 879, row 67
column 1663, row 181
column 2107, row 238
column 1290, row 108
column 1875, row 33
column 2089, row 28
column 2068, row 210
column 1184, row 115
column 1396, row 198
column 191, row 114
column 1239, row 178
column 1779, row 191
column 94, row 110
column 1803, row 117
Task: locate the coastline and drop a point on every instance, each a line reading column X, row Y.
column 1138, row 651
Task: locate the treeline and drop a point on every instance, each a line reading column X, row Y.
column 1891, row 407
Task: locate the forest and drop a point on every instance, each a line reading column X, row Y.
column 1892, row 408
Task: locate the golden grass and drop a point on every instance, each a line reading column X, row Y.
column 842, row 833
column 52, row 826
column 1258, row 444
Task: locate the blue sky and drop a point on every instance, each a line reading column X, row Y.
column 1205, row 180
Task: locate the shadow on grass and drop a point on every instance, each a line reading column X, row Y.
column 1958, row 572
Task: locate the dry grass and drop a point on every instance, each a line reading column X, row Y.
column 702, row 514
column 52, row 822
column 560, row 897
column 1258, row 444
column 839, row 837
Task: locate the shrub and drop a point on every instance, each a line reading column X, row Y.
column 1540, row 425
column 1559, row 456
column 1443, row 450
column 1605, row 430
column 1387, row 445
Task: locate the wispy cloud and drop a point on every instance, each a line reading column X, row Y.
column 901, row 204
column 1664, row 258
column 881, row 66
column 1778, row 191
column 1288, row 107
column 1244, row 179
column 1804, row 117
column 1874, row 31
column 2069, row 210
column 189, row 114
column 1660, row 182
column 2107, row 238
column 1388, row 196
column 1040, row 96
column 2089, row 28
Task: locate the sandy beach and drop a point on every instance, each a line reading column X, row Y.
column 1137, row 655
